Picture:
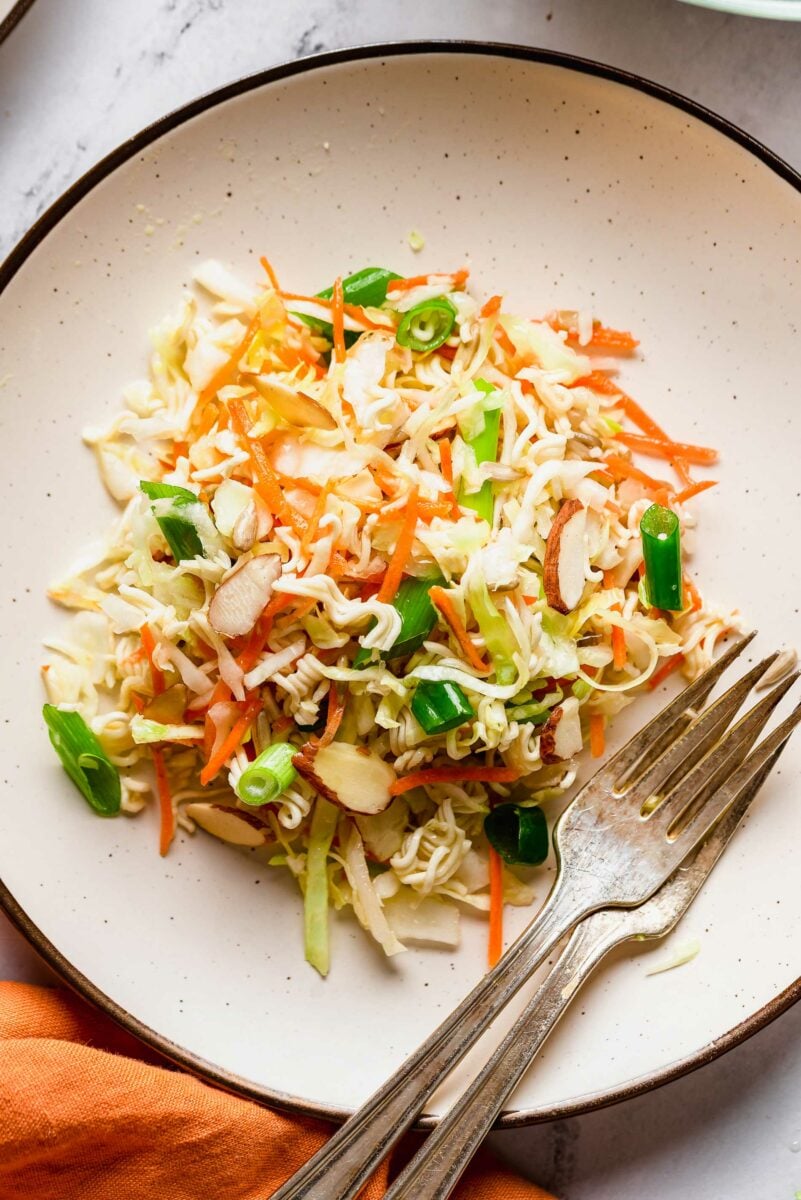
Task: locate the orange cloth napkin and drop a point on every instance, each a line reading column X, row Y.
column 86, row 1112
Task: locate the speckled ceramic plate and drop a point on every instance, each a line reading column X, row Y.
column 564, row 184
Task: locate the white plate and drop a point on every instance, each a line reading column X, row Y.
column 565, row 185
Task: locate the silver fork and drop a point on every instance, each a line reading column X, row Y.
column 613, row 847
column 438, row 1165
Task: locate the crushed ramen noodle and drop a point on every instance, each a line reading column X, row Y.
column 377, row 577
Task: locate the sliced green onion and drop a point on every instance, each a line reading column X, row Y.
column 439, row 707
column 178, row 529
column 367, row 288
column 581, row 689
column 263, row 780
column 315, row 897
column 427, row 325
column 518, row 833
column 534, row 712
column 418, row 617
column 500, row 641
column 661, row 550
column 84, row 759
column 485, row 449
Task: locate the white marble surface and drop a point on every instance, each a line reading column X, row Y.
column 79, row 76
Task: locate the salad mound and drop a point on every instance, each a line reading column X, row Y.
column 384, row 565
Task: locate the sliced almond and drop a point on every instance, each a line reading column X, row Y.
column 779, row 669
column 382, row 833
column 228, row 824
column 561, row 734
column 246, row 525
column 241, row 598
column 352, row 777
column 296, row 408
column 565, row 557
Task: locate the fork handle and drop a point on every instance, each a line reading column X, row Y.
column 437, row 1167
column 343, row 1165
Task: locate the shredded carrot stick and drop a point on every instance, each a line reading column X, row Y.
column 405, row 285
column 266, row 482
column 621, row 468
column 446, row 466
column 221, row 693
column 166, row 814
column 505, row 342
column 228, row 371
column 287, row 356
column 668, row 667
column 149, row 647
column 210, row 414
column 614, row 341
column 635, row 413
column 598, row 382
column 278, row 604
column 303, row 606
column 314, row 519
column 271, row 275
column 597, row 735
column 602, row 477
column 257, row 640
column 401, row 552
column 457, row 278
column 428, row 509
column 238, row 731
column 665, row 448
column 442, row 601
column 338, row 320
column 453, row 775
column 695, row 490
column 495, row 944
column 619, row 651
column 492, row 306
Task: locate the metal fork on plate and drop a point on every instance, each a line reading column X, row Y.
column 621, row 837
column 437, row 1167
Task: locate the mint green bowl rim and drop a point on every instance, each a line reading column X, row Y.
column 780, row 10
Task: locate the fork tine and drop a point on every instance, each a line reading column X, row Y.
column 698, row 784
column 702, row 821
column 701, row 863
column 693, row 744
column 673, row 717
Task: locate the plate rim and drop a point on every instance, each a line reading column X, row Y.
column 17, row 257
column 13, row 17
